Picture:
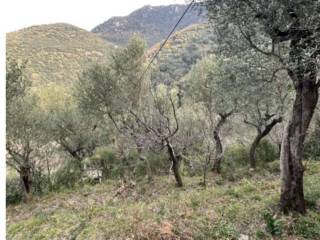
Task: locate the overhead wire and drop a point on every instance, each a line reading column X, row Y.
column 167, row 38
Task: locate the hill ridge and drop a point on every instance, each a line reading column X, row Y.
column 152, row 22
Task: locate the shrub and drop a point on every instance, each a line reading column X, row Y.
column 273, row 225
column 236, row 155
column 273, row 167
column 158, row 164
column 68, row 175
column 266, row 152
column 13, row 191
column 107, row 160
column 40, row 182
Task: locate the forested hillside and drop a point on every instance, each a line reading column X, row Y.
column 152, row 23
column 182, row 51
column 56, row 53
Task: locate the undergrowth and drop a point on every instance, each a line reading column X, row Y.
column 246, row 208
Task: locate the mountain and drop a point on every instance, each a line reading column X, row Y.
column 56, row 53
column 153, row 23
column 182, row 50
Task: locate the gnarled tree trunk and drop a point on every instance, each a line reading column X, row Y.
column 253, row 149
column 292, row 196
column 175, row 165
column 261, row 134
column 26, row 181
column 218, row 143
column 304, row 78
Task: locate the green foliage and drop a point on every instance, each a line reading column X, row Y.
column 16, row 84
column 111, row 89
column 75, row 133
column 273, row 167
column 114, row 166
column 105, row 159
column 266, row 152
column 40, row 183
column 156, row 163
column 14, row 192
column 273, row 224
column 184, row 49
column 68, row 175
column 211, row 83
column 236, row 155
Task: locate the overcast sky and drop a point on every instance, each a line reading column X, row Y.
column 86, row 14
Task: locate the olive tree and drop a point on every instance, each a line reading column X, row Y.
column 212, row 85
column 110, row 92
column 264, row 95
column 287, row 31
column 161, row 125
column 74, row 133
column 23, row 138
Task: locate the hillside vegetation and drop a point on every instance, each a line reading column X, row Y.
column 112, row 210
column 181, row 52
column 56, row 53
column 152, row 23
column 218, row 139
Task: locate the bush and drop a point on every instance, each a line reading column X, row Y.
column 158, row 164
column 273, row 167
column 273, row 225
column 113, row 166
column 68, row 175
column 14, row 193
column 107, row 160
column 40, row 183
column 266, row 152
column 236, row 155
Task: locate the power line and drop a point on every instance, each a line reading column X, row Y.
column 166, row 40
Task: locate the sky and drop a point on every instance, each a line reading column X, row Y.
column 86, row 14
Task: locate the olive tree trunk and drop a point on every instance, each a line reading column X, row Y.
column 218, row 143
column 26, row 182
column 261, row 134
column 292, row 196
column 253, row 149
column 175, row 165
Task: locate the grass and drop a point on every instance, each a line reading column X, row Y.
column 161, row 211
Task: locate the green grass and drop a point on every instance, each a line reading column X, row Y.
column 161, row 211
